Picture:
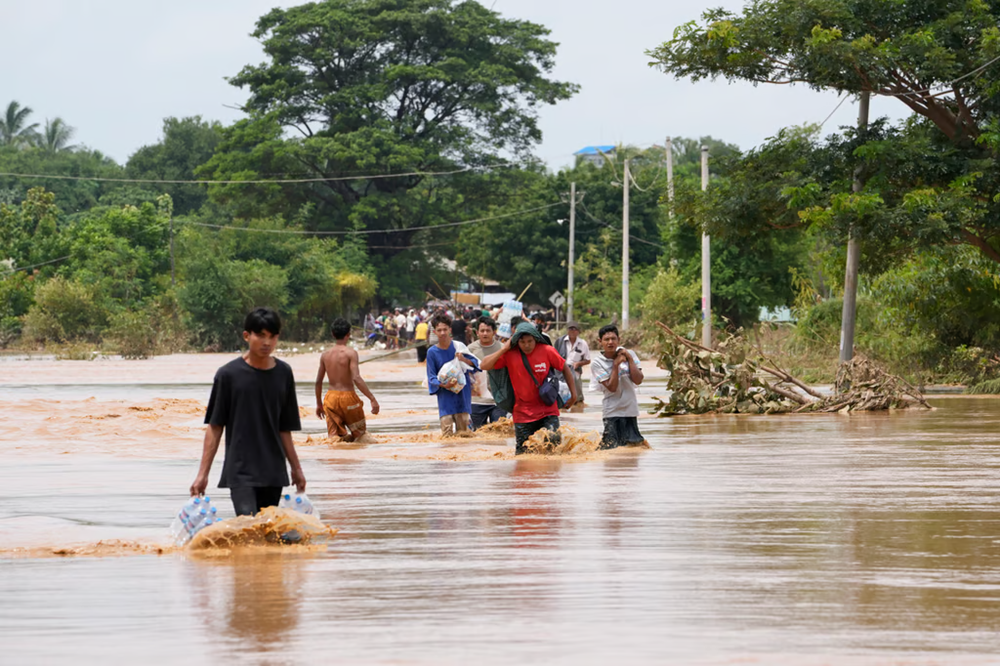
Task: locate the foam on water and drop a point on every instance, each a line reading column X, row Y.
column 272, row 528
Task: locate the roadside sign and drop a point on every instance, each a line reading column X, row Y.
column 557, row 299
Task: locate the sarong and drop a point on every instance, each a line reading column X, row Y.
column 345, row 415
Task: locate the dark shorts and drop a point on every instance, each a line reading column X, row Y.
column 621, row 431
column 522, row 431
column 483, row 414
column 248, row 501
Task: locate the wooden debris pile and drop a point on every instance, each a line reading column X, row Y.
column 736, row 378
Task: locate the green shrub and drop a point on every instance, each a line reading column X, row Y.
column 65, row 311
column 133, row 334
column 672, row 302
column 16, row 297
column 217, row 294
column 991, row 386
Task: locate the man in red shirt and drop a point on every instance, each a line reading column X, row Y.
column 527, row 348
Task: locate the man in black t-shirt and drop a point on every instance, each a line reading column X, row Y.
column 458, row 327
column 253, row 400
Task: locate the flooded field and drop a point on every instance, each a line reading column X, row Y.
column 809, row 539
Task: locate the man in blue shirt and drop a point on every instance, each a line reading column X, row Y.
column 453, row 408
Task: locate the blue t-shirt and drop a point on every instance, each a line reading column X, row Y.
column 448, row 402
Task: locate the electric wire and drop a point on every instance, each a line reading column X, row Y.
column 242, row 182
column 842, row 100
column 371, row 231
column 27, row 268
column 631, row 235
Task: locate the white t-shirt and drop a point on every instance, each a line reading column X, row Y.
column 481, row 389
column 577, row 351
column 622, row 402
column 411, row 322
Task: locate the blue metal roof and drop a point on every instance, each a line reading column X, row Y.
column 595, row 150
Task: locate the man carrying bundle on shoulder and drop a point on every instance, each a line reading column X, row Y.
column 529, row 360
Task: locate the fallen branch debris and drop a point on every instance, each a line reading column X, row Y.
column 737, row 378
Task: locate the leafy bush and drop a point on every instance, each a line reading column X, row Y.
column 65, row 311
column 217, row 294
column 155, row 328
column 16, row 297
column 672, row 302
column 133, row 334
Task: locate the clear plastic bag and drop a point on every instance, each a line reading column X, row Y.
column 299, row 502
column 564, row 392
column 453, row 369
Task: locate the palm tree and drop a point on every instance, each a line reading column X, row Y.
column 13, row 130
column 56, row 136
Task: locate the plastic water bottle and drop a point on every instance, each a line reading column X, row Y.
column 564, row 392
column 180, row 528
column 196, row 513
column 303, row 505
column 298, row 502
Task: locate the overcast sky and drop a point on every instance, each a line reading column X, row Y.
column 115, row 68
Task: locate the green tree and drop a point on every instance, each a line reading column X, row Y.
column 383, row 87
column 66, row 311
column 939, row 59
column 187, row 143
column 29, row 233
column 534, row 247
column 56, row 136
column 264, row 262
column 121, row 252
column 15, row 132
column 16, row 297
column 73, row 196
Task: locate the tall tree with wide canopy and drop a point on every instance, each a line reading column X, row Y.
column 187, row 143
column 387, row 87
column 15, row 131
column 930, row 181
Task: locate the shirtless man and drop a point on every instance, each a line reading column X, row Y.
column 342, row 408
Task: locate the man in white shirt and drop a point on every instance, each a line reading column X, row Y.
column 617, row 371
column 484, row 407
column 400, row 320
column 576, row 351
column 411, row 324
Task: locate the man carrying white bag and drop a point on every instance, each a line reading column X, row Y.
column 447, row 366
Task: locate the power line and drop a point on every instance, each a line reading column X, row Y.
column 244, row 182
column 842, row 100
column 611, row 226
column 44, row 263
column 372, row 231
column 941, row 86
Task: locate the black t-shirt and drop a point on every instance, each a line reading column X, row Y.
column 458, row 330
column 254, row 406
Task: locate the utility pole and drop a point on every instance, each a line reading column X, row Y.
column 625, row 188
column 572, row 250
column 706, row 266
column 173, row 282
column 849, row 313
column 670, row 176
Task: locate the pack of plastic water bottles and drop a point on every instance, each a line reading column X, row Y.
column 196, row 514
column 510, row 310
column 299, row 502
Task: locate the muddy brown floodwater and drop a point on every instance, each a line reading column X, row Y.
column 811, row 539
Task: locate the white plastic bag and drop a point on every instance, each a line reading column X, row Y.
column 453, row 369
column 564, row 393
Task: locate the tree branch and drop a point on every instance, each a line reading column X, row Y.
column 984, row 247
